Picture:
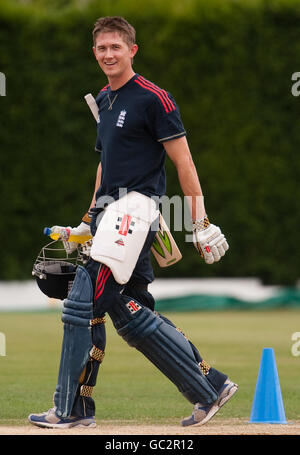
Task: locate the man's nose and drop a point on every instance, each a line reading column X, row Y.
column 108, row 53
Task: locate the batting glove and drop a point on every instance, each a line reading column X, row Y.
column 64, row 232
column 209, row 240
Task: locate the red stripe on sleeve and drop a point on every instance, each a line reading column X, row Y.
column 104, row 88
column 154, row 91
column 163, row 92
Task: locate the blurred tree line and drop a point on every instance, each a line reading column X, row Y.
column 229, row 66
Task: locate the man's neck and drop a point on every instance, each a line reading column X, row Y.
column 117, row 82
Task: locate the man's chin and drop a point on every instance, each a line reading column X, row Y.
column 112, row 72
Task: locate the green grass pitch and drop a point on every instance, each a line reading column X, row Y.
column 129, row 387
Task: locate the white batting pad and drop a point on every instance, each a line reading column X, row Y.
column 122, row 232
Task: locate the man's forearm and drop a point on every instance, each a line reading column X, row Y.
column 179, row 152
column 191, row 188
column 97, row 184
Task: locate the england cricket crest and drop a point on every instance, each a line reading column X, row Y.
column 133, row 307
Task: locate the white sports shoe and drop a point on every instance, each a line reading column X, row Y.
column 202, row 414
column 49, row 419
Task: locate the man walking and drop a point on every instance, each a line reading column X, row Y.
column 139, row 123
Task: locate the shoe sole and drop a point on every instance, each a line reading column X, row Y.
column 216, row 407
column 63, row 425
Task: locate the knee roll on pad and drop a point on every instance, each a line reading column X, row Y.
column 141, row 294
column 165, row 347
column 77, row 341
column 77, row 309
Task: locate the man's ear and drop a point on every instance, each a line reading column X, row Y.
column 133, row 50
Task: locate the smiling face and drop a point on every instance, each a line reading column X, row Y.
column 114, row 56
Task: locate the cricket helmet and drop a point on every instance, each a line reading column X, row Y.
column 55, row 270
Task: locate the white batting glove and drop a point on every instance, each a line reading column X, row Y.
column 209, row 240
column 64, row 232
column 81, row 229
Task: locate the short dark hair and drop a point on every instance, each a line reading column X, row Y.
column 115, row 24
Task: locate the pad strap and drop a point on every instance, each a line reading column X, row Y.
column 86, row 391
column 97, row 354
column 97, row 321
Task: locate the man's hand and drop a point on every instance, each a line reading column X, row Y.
column 81, row 229
column 64, row 232
column 209, row 240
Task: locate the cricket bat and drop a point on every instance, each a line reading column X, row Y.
column 164, row 247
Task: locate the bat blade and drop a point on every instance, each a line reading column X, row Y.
column 164, row 247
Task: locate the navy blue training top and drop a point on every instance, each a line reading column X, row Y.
column 133, row 123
